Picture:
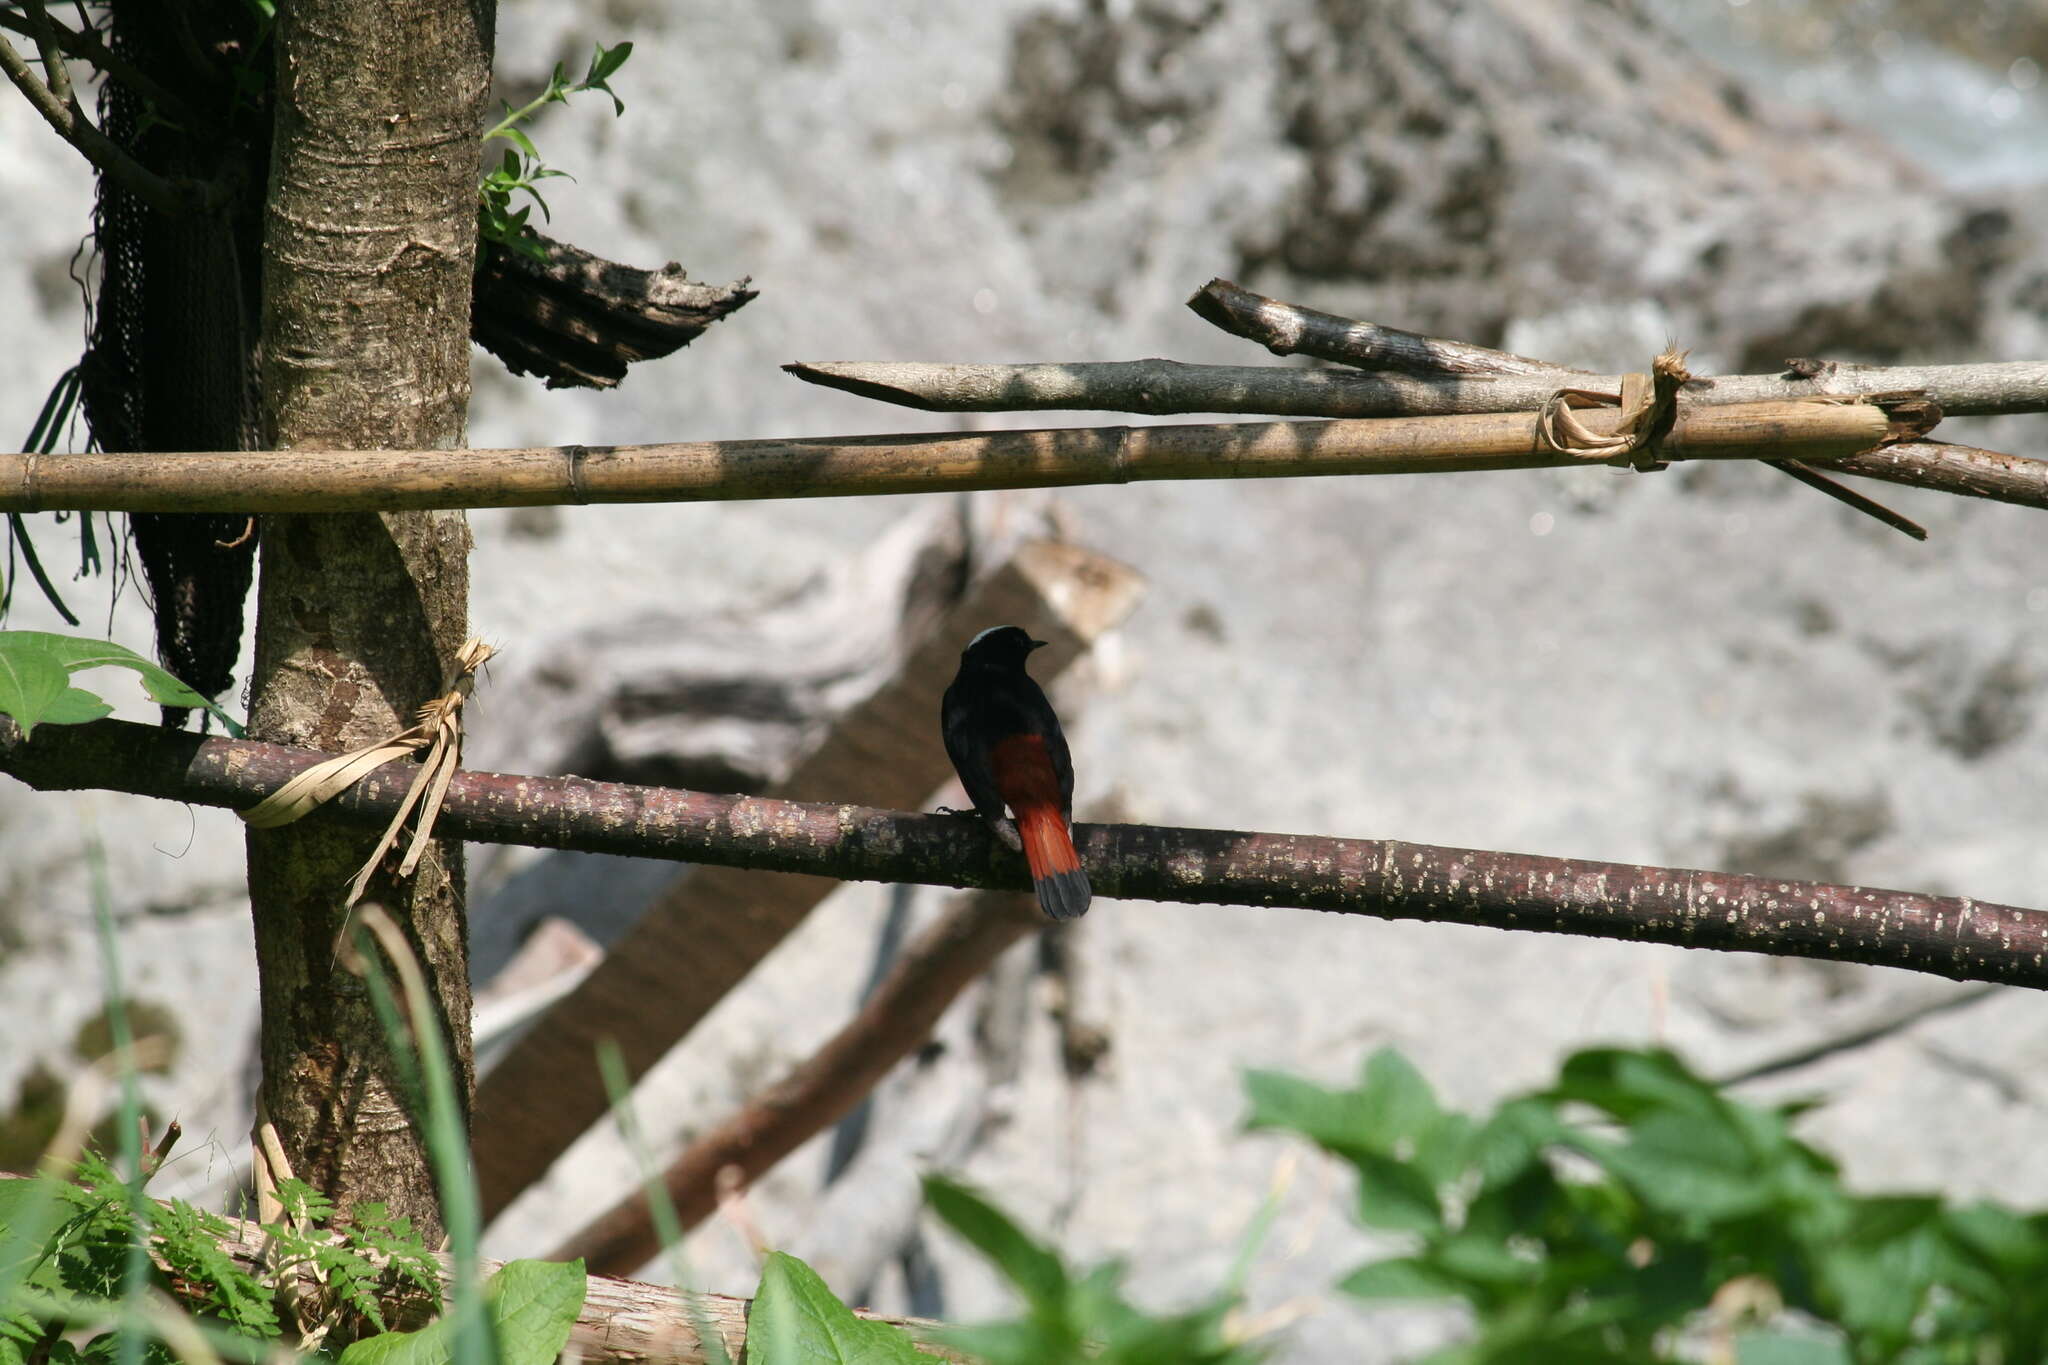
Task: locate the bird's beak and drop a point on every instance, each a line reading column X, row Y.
column 1038, row 644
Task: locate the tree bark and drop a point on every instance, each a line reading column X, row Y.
column 370, row 238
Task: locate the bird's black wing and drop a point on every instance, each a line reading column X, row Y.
column 963, row 725
column 978, row 713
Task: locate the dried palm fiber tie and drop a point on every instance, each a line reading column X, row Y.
column 439, row 732
column 1649, row 405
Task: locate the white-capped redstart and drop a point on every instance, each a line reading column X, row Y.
column 1006, row 744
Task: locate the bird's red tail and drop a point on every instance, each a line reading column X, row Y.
column 1024, row 775
column 1056, row 875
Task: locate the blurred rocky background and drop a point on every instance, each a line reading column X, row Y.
column 1709, row 667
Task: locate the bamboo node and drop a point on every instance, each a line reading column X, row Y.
column 1120, row 455
column 438, row 731
column 573, row 455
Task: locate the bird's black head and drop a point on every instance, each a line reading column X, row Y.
column 998, row 647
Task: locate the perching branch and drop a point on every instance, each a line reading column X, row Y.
column 1956, row 937
column 391, row 480
column 892, row 1022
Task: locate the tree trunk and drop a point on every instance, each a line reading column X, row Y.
column 369, row 242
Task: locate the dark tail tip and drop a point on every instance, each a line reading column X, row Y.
column 1064, row 895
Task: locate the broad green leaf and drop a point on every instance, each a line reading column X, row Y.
column 1336, row 1119
column 1394, row 1195
column 30, row 1211
column 1401, row 1277
column 1879, row 1289
column 433, row 1344
column 534, row 1304
column 1881, row 1218
column 74, row 654
column 531, row 1305
column 1035, row 1272
column 1783, row 1348
column 608, row 60
column 1628, row 1084
column 1483, row 1260
column 1024, row 1341
column 2003, row 1238
column 1399, row 1099
column 31, row 684
column 1686, row 1165
column 796, row 1320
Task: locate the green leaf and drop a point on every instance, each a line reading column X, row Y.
column 1401, row 1277
column 30, row 1213
column 1483, row 1260
column 2001, row 1237
column 531, row 1305
column 1394, row 1195
column 1035, row 1272
column 1628, row 1084
column 1400, row 1099
column 534, row 1304
column 1684, row 1164
column 522, row 142
column 74, row 654
column 606, row 61
column 32, row 685
column 1335, row 1119
column 301, row 1201
column 796, row 1320
column 1783, row 1348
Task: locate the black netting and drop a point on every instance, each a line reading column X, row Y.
column 171, row 361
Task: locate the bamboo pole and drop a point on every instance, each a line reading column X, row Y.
column 392, row 480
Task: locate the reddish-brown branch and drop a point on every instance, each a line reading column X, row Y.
column 895, row 1019
column 1956, row 937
